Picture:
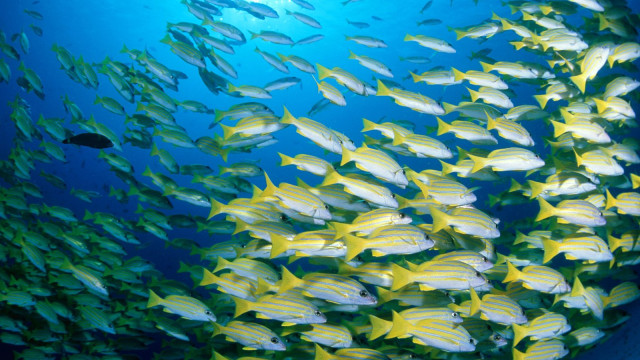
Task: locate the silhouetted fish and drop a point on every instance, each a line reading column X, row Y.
column 96, row 141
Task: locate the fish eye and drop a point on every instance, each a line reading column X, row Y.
column 326, row 207
column 403, row 172
column 478, row 274
column 484, row 259
column 522, row 311
column 497, row 337
column 243, row 245
column 317, row 313
column 275, row 340
column 599, row 213
column 471, row 341
column 393, row 196
column 402, row 216
column 364, row 293
column 564, row 347
column 454, row 314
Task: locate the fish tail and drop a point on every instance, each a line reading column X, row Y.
column 513, row 274
column 558, row 128
column 242, row 306
column 403, row 202
column 401, row 277
column 285, row 160
column 270, row 189
column 551, row 249
column 217, row 329
column 515, row 186
column 227, row 131
column 208, row 278
column 577, row 289
column 601, row 105
column 355, row 245
column 546, row 210
column 332, row 177
column 368, row 125
column 382, row 89
column 322, row 354
column 384, row 295
column 216, row 208
column 347, row 155
column 379, row 327
column 519, row 333
column 443, row 127
column 542, row 100
column 578, row 158
column 475, row 303
column 536, row 188
column 580, row 81
column 479, row 163
column 474, row 95
column 222, row 264
column 262, row 287
column 446, row 167
column 611, row 201
column 408, row 37
column 400, row 327
column 614, row 243
column 289, row 281
column 279, row 244
column 457, row 74
column 323, row 72
column 287, row 118
column 154, row 299
column 397, row 138
column 448, row 108
column 440, row 219
column 341, row 229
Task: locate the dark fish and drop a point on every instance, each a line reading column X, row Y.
column 93, row 140
column 430, row 22
column 426, row 6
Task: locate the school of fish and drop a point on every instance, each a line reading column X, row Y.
column 399, row 262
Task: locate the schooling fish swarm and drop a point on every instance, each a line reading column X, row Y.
column 407, row 264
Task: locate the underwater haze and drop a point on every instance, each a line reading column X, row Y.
column 319, row 179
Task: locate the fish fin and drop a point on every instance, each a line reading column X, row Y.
column 322, row 354
column 401, row 277
column 379, row 327
column 611, row 201
column 355, row 245
column 580, row 81
column 546, row 210
column 289, row 281
column 222, row 264
column 279, row 244
column 440, row 219
column 341, row 229
column 551, row 249
column 513, row 274
column 347, row 155
column 285, row 160
column 519, row 333
column 287, row 118
column 475, row 302
column 479, row 163
column 242, row 306
column 400, row 326
column 382, row 90
column 154, row 299
column 443, row 127
column 384, row 295
column 208, row 278
column 323, row 72
column 216, row 208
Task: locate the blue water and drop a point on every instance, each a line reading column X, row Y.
column 95, row 30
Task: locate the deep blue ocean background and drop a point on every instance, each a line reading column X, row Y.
column 94, row 30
